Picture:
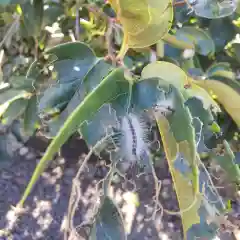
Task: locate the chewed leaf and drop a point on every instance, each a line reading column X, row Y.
column 109, row 223
column 197, row 110
column 146, row 93
column 98, row 127
column 198, row 92
column 213, row 8
column 82, row 113
column 185, row 192
column 144, row 22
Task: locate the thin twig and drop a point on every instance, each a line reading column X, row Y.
column 77, row 25
column 73, row 203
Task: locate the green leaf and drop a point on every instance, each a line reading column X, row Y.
column 182, row 117
column 203, row 43
column 31, row 116
column 197, row 110
column 145, row 93
column 217, row 67
column 184, row 191
column 109, row 223
column 227, row 162
column 14, row 110
column 221, row 31
column 73, row 63
column 169, row 72
column 32, row 17
column 144, row 23
column 100, row 95
column 6, row 2
column 91, row 80
column 52, row 11
column 221, row 88
column 22, row 83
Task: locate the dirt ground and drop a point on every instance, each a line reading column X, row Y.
column 45, row 217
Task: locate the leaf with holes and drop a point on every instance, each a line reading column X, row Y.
column 82, row 113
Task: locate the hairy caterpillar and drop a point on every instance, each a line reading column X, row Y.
column 132, row 140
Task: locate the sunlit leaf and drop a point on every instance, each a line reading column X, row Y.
column 184, row 190
column 221, row 89
column 144, row 22
column 169, row 72
column 174, row 75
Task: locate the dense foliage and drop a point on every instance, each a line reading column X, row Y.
column 113, row 71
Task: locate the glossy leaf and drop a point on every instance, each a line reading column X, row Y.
column 73, row 62
column 88, row 82
column 203, row 43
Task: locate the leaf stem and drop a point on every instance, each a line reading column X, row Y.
column 124, row 48
column 172, row 40
column 77, row 27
